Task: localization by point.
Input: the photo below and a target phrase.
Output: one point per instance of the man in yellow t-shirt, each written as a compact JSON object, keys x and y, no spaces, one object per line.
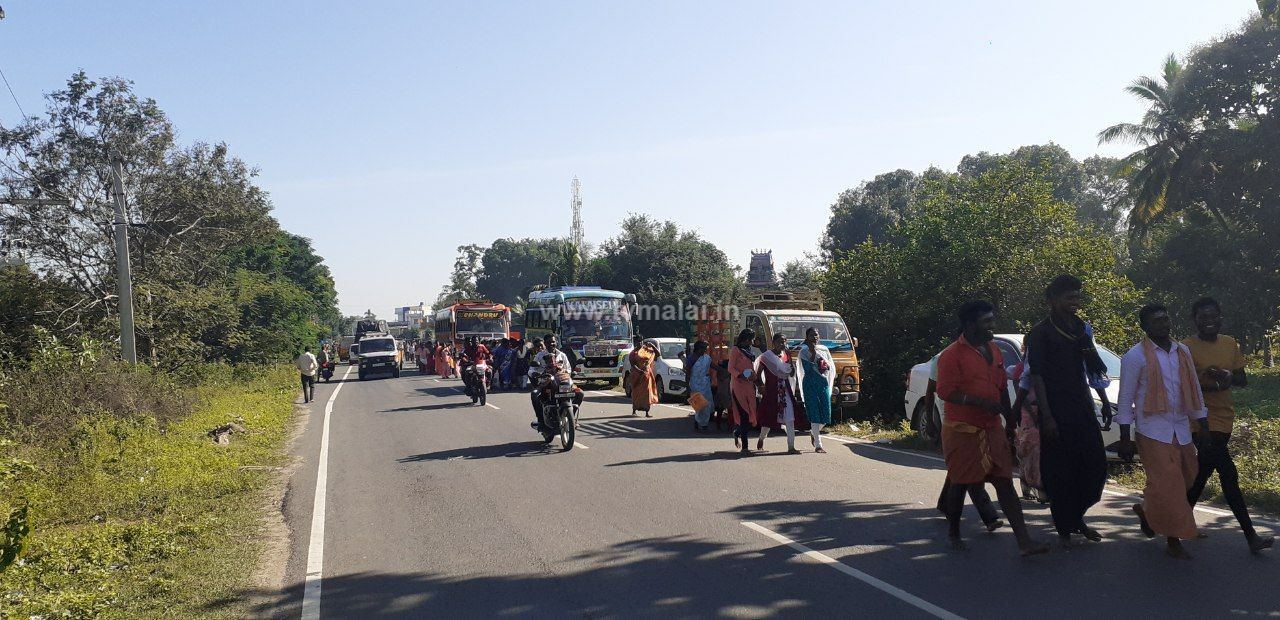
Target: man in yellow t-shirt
{"x":1220,"y":366}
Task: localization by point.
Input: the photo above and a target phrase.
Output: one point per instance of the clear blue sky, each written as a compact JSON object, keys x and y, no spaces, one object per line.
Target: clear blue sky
{"x":463,"y":122}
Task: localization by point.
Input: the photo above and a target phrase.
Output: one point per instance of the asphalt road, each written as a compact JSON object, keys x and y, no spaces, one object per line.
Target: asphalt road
{"x":437,"y":508}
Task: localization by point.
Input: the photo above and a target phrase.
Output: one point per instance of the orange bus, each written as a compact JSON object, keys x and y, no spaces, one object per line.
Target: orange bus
{"x":481,"y":318}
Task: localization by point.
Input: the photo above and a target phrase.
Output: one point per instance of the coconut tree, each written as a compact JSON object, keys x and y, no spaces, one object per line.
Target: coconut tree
{"x":1166,"y":140}
{"x":1170,"y":153}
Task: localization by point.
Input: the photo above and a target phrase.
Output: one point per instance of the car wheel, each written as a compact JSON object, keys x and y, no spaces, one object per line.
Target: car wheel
{"x":662,"y":392}
{"x":926,"y":423}
{"x":362,"y":375}
{"x":626,"y":384}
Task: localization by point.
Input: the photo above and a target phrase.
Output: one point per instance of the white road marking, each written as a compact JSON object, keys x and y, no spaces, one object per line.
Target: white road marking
{"x":491,"y":405}
{"x":315,"y":548}
{"x":882,"y":586}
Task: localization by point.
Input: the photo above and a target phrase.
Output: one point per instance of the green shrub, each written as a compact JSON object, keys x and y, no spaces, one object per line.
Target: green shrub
{"x":133,"y":515}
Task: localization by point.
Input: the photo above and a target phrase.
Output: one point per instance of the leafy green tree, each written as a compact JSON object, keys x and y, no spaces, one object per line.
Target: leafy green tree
{"x":207,"y":231}
{"x":510,"y":268}
{"x":665,"y":267}
{"x":26,"y":300}
{"x":998,"y":235}
{"x":869,"y":211}
{"x":798,"y":275}
{"x":462,"y":281}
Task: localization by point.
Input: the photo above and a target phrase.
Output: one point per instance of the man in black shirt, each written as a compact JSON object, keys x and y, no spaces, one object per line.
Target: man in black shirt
{"x":1073,"y":460}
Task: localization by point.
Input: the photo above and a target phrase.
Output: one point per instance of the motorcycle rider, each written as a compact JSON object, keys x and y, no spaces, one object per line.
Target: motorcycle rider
{"x":547,"y":363}
{"x":472,"y":353}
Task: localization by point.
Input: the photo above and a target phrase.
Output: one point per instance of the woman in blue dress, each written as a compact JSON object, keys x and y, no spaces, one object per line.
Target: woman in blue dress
{"x":700,"y":382}
{"x":817,"y":378}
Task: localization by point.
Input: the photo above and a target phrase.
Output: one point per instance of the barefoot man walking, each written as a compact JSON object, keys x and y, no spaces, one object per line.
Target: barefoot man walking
{"x":1159,"y":390}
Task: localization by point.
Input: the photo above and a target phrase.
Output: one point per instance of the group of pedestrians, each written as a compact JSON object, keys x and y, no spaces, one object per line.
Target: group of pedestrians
{"x":509,"y":357}
{"x":764,"y":389}
{"x":1166,"y":388}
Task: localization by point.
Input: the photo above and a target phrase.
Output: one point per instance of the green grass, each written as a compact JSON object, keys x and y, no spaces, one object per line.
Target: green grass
{"x":131,"y":520}
{"x":1262,"y":398}
{"x":900,"y":436}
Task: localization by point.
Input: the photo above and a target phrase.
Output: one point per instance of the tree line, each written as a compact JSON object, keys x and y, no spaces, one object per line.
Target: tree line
{"x":215,"y":276}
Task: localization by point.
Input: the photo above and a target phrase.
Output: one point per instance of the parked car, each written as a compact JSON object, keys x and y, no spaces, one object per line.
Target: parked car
{"x":1011,"y":350}
{"x":668,"y":369}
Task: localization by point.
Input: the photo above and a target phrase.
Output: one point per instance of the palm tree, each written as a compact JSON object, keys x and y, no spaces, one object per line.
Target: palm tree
{"x":1168,"y":140}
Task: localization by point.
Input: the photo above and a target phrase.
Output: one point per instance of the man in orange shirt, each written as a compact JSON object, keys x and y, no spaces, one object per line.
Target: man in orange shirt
{"x":972,"y":386}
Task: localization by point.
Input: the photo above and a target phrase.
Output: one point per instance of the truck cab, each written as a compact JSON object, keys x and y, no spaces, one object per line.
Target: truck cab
{"x":792,"y":313}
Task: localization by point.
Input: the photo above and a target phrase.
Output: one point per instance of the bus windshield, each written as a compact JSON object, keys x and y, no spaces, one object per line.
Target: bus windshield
{"x":608,"y":327}
{"x":487,"y":322}
{"x":831,"y":330}
{"x":595,"y":319}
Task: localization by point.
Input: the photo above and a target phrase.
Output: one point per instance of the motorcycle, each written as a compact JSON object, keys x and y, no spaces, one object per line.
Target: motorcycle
{"x":477,"y":379}
{"x":326,"y":371}
{"x":559,"y":413}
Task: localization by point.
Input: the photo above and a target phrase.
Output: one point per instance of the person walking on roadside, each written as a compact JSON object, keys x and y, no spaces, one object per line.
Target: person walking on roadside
{"x":977,"y":492}
{"x":817,"y":380}
{"x":778,"y":406}
{"x":1220,"y":366}
{"x":972,"y":386}
{"x":699,"y":380}
{"x":1073,"y":460}
{"x":1160,"y":392}
{"x":644,"y":389}
{"x":307,"y":365}
{"x":742,"y":389}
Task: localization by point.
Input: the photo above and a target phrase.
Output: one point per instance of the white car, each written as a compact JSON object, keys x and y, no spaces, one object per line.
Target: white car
{"x":668,"y":369}
{"x":1011,"y":349}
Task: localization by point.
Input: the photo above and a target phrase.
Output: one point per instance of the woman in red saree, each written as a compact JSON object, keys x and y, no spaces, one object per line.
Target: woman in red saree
{"x":644,"y":388}
{"x":745,"y":377}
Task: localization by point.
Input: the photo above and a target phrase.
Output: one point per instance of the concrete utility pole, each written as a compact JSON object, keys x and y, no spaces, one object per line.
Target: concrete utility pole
{"x":124,"y":276}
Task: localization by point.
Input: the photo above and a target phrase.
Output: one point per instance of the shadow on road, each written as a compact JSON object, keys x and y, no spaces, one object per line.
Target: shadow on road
{"x":435,"y":407}
{"x":700,"y":457}
{"x":509,"y":449}
{"x":441,"y":392}
{"x":633,"y":578}
{"x":904,"y":458}
{"x":902,"y":543}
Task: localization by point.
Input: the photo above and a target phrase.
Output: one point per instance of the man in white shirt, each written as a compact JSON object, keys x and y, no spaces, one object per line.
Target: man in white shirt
{"x":543,"y":363}
{"x":307,"y":365}
{"x":1159,"y":391}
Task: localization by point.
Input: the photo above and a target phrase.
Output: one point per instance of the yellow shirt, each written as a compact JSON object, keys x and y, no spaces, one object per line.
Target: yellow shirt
{"x":1225,"y":354}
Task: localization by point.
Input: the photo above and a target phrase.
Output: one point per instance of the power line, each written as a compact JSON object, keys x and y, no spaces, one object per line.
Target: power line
{"x":15,"y":97}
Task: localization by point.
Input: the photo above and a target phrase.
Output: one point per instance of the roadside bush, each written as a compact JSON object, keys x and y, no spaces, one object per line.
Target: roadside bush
{"x":134,"y":516}
{"x":61,"y":385}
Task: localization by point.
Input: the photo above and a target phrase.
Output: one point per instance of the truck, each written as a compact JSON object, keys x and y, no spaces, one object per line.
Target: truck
{"x":365,"y":326}
{"x":790,"y":313}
